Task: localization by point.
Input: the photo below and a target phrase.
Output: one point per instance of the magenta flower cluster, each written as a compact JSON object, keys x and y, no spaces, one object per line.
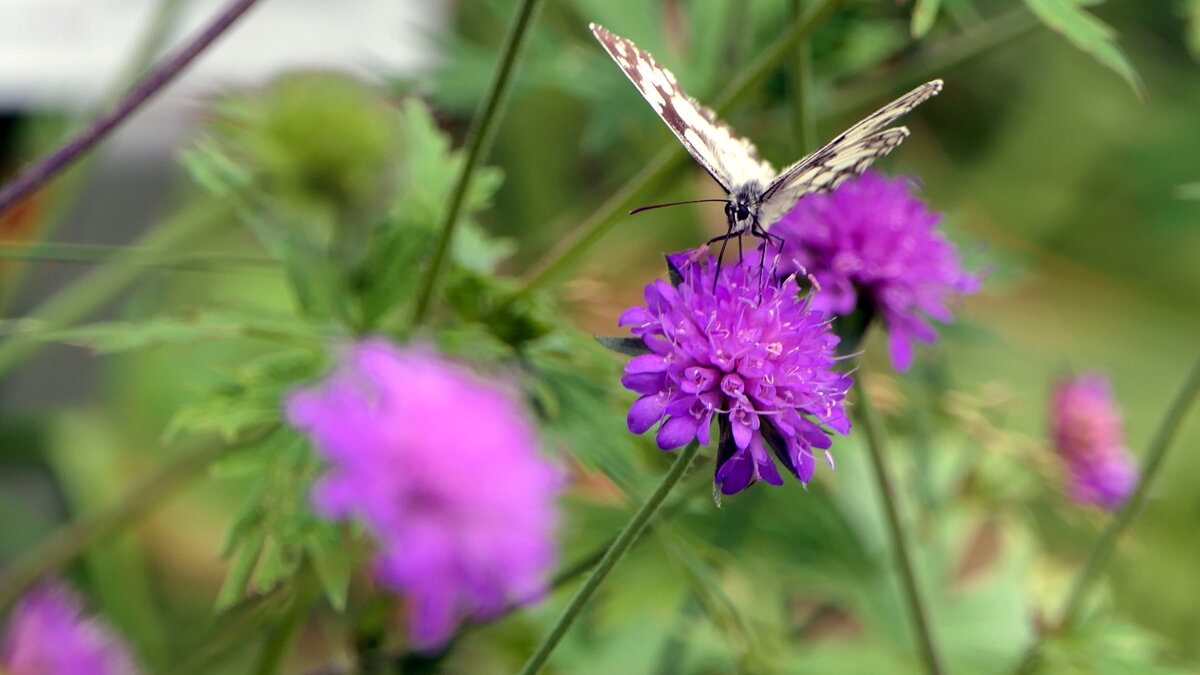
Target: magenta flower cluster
{"x":1085,"y":423}
{"x":48,"y":634}
{"x":750,"y":353}
{"x":444,"y":470}
{"x":870,"y":244}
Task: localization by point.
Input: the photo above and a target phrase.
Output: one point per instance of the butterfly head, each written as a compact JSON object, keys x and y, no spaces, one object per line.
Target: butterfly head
{"x":741,"y":211}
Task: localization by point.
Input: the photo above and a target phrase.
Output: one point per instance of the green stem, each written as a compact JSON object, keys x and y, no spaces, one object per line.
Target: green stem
{"x":92,"y":254}
{"x":887,"y":494}
{"x":280,"y":638}
{"x":70,"y":540}
{"x":614,"y":554}
{"x":98,"y":286}
{"x":1103,"y":549}
{"x":564,"y":255}
{"x":479,"y":140}
{"x":804,"y":122}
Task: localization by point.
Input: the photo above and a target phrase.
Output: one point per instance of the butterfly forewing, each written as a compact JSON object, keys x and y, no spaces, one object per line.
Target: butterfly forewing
{"x":730,"y":159}
{"x":847,"y":155}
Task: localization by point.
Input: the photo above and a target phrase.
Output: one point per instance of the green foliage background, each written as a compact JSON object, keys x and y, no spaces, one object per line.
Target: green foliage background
{"x":1063,"y":152}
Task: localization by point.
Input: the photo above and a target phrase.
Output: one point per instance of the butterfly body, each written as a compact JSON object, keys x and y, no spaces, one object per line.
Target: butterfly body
{"x":758,"y":196}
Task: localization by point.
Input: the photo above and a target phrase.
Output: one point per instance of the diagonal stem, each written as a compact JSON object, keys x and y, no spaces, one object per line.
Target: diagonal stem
{"x":562,"y":256}
{"x":68,"y":541}
{"x":479,"y":140}
{"x":49,"y":166}
{"x":887,"y":494}
{"x":614,"y":554}
{"x":1103,"y":549}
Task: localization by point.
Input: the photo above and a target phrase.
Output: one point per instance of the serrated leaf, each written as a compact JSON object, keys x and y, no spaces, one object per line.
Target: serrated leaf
{"x":924,"y":14}
{"x":629,"y":346}
{"x":1088,"y":34}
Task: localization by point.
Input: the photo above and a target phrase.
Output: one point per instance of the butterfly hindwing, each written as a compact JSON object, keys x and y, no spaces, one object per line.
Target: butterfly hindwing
{"x":730,"y":159}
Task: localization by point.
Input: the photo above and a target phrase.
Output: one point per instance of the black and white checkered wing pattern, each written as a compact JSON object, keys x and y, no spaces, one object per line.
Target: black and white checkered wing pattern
{"x":730,"y":159}
{"x":847,"y":155}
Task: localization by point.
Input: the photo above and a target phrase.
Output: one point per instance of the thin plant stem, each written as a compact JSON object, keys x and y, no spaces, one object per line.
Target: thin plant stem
{"x":49,"y":166}
{"x":280,"y":638}
{"x":99,"y":285}
{"x":92,"y":254}
{"x":804,"y":123}
{"x":1103,"y":549}
{"x":72,"y":539}
{"x":598,"y":224}
{"x":479,"y":141}
{"x":614,"y":554}
{"x":887,"y":494}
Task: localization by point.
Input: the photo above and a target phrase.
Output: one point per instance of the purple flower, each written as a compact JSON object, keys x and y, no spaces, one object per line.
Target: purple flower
{"x":750,"y":353}
{"x":444,"y":470}
{"x":1085,"y":423}
{"x":48,"y":634}
{"x":871,"y":241}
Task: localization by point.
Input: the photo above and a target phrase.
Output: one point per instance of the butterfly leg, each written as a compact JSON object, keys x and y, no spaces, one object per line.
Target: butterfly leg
{"x":724,"y":239}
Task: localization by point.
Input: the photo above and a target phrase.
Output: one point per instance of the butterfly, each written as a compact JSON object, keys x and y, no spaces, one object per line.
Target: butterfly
{"x":757,"y":196}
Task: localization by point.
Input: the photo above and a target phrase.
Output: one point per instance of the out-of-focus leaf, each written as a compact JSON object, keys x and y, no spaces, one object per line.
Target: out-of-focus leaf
{"x":924,"y":13}
{"x":332,"y":559}
{"x":122,"y":336}
{"x":1191,"y":15}
{"x":1089,"y":34}
{"x":630,"y":346}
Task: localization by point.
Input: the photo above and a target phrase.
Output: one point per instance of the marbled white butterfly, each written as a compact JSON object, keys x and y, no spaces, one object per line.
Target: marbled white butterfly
{"x":758,"y":197}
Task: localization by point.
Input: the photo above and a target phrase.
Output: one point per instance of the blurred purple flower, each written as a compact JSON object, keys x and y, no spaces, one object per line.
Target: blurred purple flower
{"x":872,"y":241}
{"x":444,"y":470}
{"x":1085,"y":423}
{"x":751,"y":353}
{"x":48,"y":634}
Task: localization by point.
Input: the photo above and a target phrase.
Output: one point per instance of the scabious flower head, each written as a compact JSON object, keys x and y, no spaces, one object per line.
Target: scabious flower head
{"x":444,"y":471}
{"x":751,"y":353}
{"x":1085,"y":423}
{"x":871,"y":243}
{"x":48,"y":634}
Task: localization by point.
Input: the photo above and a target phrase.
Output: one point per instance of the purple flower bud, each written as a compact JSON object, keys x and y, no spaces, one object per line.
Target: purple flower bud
{"x":871,"y":241}
{"x":750,"y":353}
{"x":444,"y":470}
{"x":48,"y":634}
{"x":1085,"y":424}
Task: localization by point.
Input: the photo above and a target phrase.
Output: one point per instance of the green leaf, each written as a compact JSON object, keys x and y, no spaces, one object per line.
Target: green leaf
{"x":333,"y":561}
{"x":924,"y":14}
{"x":1089,"y":34}
{"x":1191,"y":15}
{"x":630,"y":346}
{"x":240,"y":569}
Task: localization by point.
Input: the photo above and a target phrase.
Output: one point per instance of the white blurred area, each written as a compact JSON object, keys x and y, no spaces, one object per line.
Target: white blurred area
{"x":70,"y":53}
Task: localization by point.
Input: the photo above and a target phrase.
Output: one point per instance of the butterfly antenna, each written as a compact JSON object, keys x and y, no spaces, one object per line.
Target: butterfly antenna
{"x":659,"y":206}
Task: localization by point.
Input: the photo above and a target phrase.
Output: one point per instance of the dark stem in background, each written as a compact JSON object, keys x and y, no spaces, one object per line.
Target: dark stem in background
{"x":852,"y":329}
{"x":479,"y":141}
{"x":633,"y":529}
{"x":70,"y":540}
{"x":1102,"y":551}
{"x":804,"y":121}
{"x":43,"y":170}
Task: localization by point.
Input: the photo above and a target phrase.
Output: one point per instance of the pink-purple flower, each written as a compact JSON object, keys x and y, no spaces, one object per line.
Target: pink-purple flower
{"x":1085,"y":423}
{"x":48,"y":634}
{"x":444,"y":470}
{"x":870,"y":244}
{"x":751,"y":354}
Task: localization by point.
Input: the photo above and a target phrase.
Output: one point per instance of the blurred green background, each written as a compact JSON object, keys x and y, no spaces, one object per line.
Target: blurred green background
{"x":1079,"y":199}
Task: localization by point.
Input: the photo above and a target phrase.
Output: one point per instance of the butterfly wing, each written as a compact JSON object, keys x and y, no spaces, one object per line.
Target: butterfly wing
{"x":730,"y":159}
{"x":847,"y":155}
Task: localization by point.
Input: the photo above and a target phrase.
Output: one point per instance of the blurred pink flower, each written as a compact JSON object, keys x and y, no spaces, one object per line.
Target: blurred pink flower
{"x":444,"y":470}
{"x":1085,"y":423}
{"x":48,"y":634}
